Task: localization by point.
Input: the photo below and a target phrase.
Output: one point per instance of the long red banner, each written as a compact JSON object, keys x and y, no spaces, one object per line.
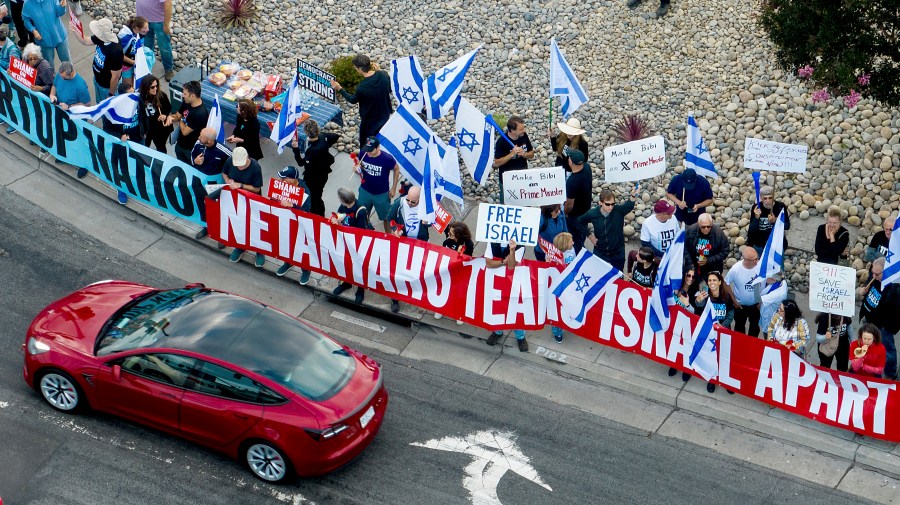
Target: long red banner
{"x":461,"y":287}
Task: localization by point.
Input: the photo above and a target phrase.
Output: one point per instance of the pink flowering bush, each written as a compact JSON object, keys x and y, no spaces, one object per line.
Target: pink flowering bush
{"x":821,"y":96}
{"x":852,"y":99}
{"x":805,"y":71}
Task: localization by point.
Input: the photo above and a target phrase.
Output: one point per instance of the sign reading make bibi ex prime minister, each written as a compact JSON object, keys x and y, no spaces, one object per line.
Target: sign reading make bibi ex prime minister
{"x":633,"y":161}
{"x":534,"y":187}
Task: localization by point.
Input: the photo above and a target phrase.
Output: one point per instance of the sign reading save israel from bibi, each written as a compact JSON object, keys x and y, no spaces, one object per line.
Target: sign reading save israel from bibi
{"x":832,"y":289}
{"x":633,"y":161}
{"x":498,"y":224}
{"x":535,"y":187}
{"x":775,"y":156}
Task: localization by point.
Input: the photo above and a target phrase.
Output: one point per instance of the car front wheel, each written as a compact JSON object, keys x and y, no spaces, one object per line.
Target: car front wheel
{"x":60,"y":391}
{"x":267,"y":462}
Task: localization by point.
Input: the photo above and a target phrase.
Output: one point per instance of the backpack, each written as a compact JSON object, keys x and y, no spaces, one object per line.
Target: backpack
{"x":365,"y":215}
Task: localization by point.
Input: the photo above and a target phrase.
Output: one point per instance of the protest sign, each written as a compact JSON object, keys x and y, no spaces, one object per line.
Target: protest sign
{"x":501,"y":223}
{"x":441,"y":218}
{"x":633,"y":161}
{"x":535,"y":187}
{"x":76,"y":23}
{"x":210,"y":188}
{"x":22,"y":71}
{"x":775,"y":156}
{"x":315,"y":79}
{"x":280,"y":190}
{"x":832,"y":289}
{"x":552,"y":255}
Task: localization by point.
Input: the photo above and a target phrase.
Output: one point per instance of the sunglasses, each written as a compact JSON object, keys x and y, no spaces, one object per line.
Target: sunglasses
{"x":608,"y":204}
{"x":412,"y":202}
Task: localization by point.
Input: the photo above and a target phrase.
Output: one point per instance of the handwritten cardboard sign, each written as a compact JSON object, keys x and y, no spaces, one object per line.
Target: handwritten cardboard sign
{"x":535,"y":187}
{"x":832,"y":289}
{"x":280,"y":190}
{"x":775,"y":156}
{"x":633,"y":161}
{"x":22,"y":71}
{"x":498,"y":224}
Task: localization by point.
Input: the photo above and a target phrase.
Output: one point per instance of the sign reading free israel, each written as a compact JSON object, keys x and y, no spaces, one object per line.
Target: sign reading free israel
{"x":498,"y":224}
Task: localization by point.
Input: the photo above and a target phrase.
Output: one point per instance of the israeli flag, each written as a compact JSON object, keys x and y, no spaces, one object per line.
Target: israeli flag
{"x":772,"y":260}
{"x":892,"y":259}
{"x":406,"y":81}
{"x":443,"y":86}
{"x":286,"y":125}
{"x":668,"y":282}
{"x":475,"y":137}
{"x":704,"y":358}
{"x":430,"y":175}
{"x":119,"y":109}
{"x":406,"y":137}
{"x":582,"y":283}
{"x":696,"y":155}
{"x":142,"y":65}
{"x":447,"y":182}
{"x":563,"y":82}
{"x":214,"y":120}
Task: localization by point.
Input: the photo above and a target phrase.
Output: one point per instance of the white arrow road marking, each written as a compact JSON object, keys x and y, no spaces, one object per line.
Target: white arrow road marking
{"x":495,"y":453}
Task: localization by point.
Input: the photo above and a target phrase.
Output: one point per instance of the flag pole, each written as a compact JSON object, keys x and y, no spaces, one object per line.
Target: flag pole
{"x":550,"y":113}
{"x":490,"y":119}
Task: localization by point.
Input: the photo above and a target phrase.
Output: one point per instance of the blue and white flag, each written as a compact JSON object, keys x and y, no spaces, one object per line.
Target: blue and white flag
{"x":475,"y":137}
{"x":443,"y":86}
{"x":563,"y":82}
{"x":582,"y":283}
{"x":429,"y":198}
{"x":406,"y":81}
{"x":286,"y":125}
{"x":668,"y":282}
{"x":696,"y":155}
{"x":119,"y":109}
{"x":704,"y":341}
{"x":142,"y":65}
{"x":772,"y":260}
{"x":406,"y":137}
{"x":214,"y":120}
{"x":892,"y":258}
{"x":447,"y":182}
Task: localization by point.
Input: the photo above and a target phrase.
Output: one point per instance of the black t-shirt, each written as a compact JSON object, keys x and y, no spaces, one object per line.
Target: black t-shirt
{"x":644,"y":276}
{"x":578,"y":187}
{"x":840,"y":326}
{"x":870,"y":302}
{"x":196,"y":118}
{"x":880,"y":243}
{"x":502,"y":148}
{"x":108,"y":57}
{"x":465,"y":248}
{"x":251,"y":176}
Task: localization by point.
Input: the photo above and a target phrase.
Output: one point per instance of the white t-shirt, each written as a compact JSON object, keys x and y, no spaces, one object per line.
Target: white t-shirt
{"x":660,"y":235}
{"x":739,"y":279}
{"x":411,"y":219}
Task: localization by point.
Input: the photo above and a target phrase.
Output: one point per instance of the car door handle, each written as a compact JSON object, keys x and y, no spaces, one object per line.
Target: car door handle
{"x":240,"y":416}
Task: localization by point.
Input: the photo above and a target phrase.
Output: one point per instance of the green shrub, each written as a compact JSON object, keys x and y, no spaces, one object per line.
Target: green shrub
{"x":345,"y":73}
{"x":500,"y":119}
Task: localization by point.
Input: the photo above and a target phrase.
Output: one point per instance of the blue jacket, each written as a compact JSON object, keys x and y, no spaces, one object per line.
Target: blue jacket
{"x":8,"y":49}
{"x":43,"y":16}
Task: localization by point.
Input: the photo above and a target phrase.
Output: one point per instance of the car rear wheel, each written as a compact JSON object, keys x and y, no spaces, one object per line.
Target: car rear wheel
{"x":60,"y":391}
{"x":267,"y":462}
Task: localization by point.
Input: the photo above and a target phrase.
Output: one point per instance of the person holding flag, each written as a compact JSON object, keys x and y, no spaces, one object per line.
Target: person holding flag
{"x":704,"y":358}
{"x":740,"y":278}
{"x":373,"y":94}
{"x":316,"y":162}
{"x":130,"y":36}
{"x":513,"y":150}
{"x":882,"y":301}
{"x":762,"y":219}
{"x":690,"y":194}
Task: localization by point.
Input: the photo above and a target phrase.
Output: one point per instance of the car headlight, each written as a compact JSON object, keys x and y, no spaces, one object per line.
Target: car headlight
{"x":35,"y":346}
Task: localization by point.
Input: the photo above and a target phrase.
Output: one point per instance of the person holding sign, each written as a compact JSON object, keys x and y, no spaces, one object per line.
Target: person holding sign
{"x":607,"y":220}
{"x":316,"y":162}
{"x":833,"y":337}
{"x":763,"y":217}
{"x":291,"y":176}
{"x":867,"y":354}
{"x":570,"y":138}
{"x":44,"y":80}
{"x":512,"y":152}
{"x":691,"y":194}
{"x":69,"y":88}
{"x":497,"y":256}
{"x":553,"y":222}
{"x":243,"y":172}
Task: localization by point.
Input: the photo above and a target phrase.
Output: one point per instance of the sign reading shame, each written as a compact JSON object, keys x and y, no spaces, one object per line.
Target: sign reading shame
{"x":534,"y":187}
{"x":831,"y":289}
{"x":633,"y":161}
{"x":498,"y":224}
{"x":775,"y":156}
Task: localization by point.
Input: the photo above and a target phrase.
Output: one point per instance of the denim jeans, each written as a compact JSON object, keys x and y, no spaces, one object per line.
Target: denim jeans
{"x":520,"y":334}
{"x":62,"y":50}
{"x":890,"y":348}
{"x":165,"y":44}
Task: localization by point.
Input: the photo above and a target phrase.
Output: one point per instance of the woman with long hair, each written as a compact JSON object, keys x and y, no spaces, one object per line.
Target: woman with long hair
{"x":246,"y":129}
{"x":552,"y":223}
{"x":867,"y":353}
{"x":684,"y":298}
{"x":788,"y":328}
{"x":570,"y":138}
{"x":720,"y":295}
{"x":153,"y":110}
{"x":131,"y":32}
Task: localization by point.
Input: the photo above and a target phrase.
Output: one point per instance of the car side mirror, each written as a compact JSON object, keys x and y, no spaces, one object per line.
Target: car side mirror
{"x":117,"y":372}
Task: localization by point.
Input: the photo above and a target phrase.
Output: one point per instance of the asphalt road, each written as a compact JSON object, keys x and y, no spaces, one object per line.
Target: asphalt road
{"x":51,"y":458}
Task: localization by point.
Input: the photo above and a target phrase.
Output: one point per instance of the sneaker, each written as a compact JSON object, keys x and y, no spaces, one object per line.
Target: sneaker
{"x":710,"y":388}
{"x":494,"y":338}
{"x":59,"y":161}
{"x":729,"y":391}
{"x":662,"y":11}
{"x":633,"y":3}
{"x":344,"y":286}
{"x":360,"y":294}
{"x":685,"y":376}
{"x":283,"y":269}
{"x":81,"y":173}
{"x":170,"y":74}
{"x":201,"y":234}
{"x":304,"y":277}
{"x":2,"y":121}
{"x":11,"y":130}
{"x":260,"y":260}
{"x":236,"y":255}
{"x":395,"y":306}
{"x":523,"y":345}
{"x":220,"y":245}
{"x":122,"y":197}
{"x":438,"y":316}
{"x":459,"y":322}
{"x":558,"y":338}
{"x":672,"y":372}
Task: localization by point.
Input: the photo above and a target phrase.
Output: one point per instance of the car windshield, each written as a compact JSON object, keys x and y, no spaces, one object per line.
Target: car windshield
{"x":236,"y":330}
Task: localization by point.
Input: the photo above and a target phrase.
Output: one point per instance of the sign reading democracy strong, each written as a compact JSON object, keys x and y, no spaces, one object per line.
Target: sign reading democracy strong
{"x":633,"y":161}
{"x":315,"y":79}
{"x":155,"y":179}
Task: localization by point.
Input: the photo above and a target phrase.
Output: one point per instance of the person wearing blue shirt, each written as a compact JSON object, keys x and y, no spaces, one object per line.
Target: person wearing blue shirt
{"x":69,"y":88}
{"x":8,"y":48}
{"x":42,"y":19}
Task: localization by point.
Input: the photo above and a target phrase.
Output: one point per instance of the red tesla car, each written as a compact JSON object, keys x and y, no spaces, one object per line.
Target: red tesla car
{"x":212,"y":367}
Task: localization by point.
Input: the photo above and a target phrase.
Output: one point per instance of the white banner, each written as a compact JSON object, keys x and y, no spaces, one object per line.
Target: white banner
{"x":534,"y":187}
{"x":497,"y":224}
{"x":633,"y":161}
{"x":832,"y":289}
{"x":775,"y":156}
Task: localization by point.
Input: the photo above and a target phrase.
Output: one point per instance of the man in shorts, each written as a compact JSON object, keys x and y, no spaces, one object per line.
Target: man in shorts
{"x":376,"y":189}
